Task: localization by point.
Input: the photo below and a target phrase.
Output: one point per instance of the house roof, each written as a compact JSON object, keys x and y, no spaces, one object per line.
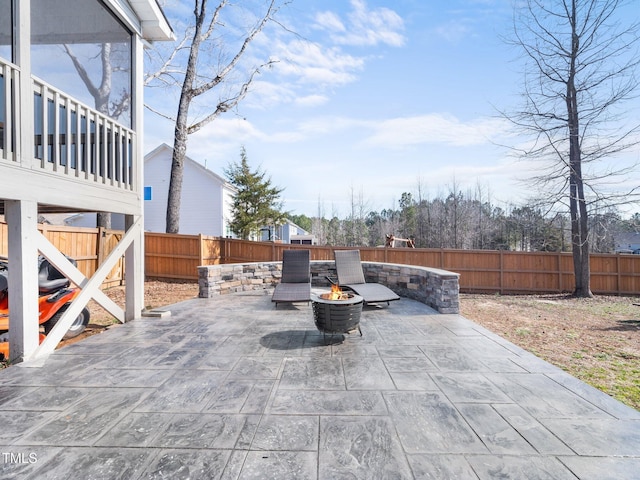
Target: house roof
{"x":155,"y":25}
{"x":197,"y":165}
{"x":627,"y":239}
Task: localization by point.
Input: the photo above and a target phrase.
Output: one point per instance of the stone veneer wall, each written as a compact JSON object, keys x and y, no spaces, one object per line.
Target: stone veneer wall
{"x":437,"y":288}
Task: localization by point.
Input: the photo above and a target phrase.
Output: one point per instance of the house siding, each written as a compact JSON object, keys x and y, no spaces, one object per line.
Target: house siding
{"x":205,"y":199}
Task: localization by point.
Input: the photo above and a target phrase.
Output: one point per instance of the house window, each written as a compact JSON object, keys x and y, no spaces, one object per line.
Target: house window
{"x":5,"y":30}
{"x":79,"y":47}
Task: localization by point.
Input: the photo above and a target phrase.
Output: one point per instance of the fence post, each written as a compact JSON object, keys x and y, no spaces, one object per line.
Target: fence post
{"x":501,"y":272}
{"x":618,"y":273}
{"x":201,"y":247}
{"x":559,"y":272}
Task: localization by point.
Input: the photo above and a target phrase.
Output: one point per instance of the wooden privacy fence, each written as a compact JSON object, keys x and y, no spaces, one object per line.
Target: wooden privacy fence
{"x":88,"y":246}
{"x":177,"y":257}
{"x":481,"y":271}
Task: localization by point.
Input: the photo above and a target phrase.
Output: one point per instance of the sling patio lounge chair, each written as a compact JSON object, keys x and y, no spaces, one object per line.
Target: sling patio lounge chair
{"x":295,"y":285}
{"x":351,"y":276}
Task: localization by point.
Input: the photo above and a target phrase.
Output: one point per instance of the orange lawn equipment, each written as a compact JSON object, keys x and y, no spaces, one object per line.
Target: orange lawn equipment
{"x":54,"y":298}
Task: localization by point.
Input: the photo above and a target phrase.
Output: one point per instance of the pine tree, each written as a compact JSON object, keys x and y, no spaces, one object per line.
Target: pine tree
{"x":257,"y":203}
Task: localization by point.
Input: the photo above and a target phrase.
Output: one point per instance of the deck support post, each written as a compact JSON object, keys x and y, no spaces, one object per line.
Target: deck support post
{"x":22,"y":222}
{"x":134,"y":269}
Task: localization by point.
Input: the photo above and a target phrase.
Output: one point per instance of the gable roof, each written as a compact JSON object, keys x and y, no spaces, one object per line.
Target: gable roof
{"x":197,"y":165}
{"x":627,"y":239}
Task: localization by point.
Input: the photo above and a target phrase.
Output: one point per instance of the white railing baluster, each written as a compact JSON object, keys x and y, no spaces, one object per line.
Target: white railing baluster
{"x":55,"y":141}
{"x":5,"y":144}
{"x":77,"y":140}
{"x":111,"y":156}
{"x":67,"y":136}
{"x":99,"y":146}
{"x":44,"y":101}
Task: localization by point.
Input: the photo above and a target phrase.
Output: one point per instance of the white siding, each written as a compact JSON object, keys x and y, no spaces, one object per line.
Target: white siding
{"x":203,"y":206}
{"x":200,"y":203}
{"x":89,"y":220}
{"x":156,"y":176}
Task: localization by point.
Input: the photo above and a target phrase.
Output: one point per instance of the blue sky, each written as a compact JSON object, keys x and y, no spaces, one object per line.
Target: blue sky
{"x":371,"y":99}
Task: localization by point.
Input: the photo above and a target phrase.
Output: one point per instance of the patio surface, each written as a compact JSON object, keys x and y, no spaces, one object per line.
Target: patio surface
{"x":234,"y":388}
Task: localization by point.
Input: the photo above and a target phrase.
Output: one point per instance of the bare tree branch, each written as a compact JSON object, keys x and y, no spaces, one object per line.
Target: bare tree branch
{"x":199,"y":64}
{"x":581,"y":67}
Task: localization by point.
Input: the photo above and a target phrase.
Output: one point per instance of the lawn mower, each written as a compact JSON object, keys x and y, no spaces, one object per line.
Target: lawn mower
{"x":54,"y":297}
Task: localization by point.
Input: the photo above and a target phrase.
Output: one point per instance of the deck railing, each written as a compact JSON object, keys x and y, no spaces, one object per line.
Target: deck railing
{"x":9,"y":77}
{"x":70,"y":138}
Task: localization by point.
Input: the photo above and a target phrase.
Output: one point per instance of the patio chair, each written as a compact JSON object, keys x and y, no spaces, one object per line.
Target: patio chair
{"x":351,"y":276}
{"x":295,"y":285}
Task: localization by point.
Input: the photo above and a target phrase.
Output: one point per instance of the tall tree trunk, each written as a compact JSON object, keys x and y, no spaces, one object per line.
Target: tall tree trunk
{"x":103,"y":220}
{"x":577,"y":202}
{"x":182,"y":128}
{"x":177,"y":169}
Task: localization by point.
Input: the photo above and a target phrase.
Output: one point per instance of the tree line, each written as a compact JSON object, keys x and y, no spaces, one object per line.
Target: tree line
{"x":464,"y":220}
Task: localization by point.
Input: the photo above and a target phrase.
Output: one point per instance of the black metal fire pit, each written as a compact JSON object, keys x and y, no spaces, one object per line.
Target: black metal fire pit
{"x":337,"y":316}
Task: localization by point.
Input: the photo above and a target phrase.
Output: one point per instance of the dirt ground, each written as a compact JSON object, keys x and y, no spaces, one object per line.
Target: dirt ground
{"x":596,"y":340}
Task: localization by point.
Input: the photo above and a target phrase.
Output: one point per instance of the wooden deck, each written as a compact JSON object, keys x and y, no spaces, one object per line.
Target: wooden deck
{"x":76,"y":159}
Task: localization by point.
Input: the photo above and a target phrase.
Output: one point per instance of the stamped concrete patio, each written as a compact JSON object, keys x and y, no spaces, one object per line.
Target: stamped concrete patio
{"x":232,"y":388}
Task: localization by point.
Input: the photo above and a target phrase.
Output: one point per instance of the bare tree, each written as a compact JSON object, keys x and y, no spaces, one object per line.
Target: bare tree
{"x":580,"y":67}
{"x":203,"y":74}
{"x":355,"y":223}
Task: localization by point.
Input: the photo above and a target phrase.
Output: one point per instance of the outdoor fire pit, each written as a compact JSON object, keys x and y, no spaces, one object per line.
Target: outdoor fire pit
{"x":336,"y":311}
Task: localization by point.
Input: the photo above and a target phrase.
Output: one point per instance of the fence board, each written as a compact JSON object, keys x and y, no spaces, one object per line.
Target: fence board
{"x":488,"y":271}
{"x":81,"y":244}
{"x":172,"y":256}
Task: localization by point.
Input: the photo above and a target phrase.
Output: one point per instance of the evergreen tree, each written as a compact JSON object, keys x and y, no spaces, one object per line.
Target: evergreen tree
{"x":301,"y":220}
{"x":257,"y":203}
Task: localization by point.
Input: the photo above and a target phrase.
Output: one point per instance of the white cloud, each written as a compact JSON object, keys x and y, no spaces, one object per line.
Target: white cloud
{"x":393,"y":133}
{"x":312,"y":63}
{"x":307,"y":69}
{"x":326,"y":125}
{"x":223,"y":129}
{"x":434,"y":128}
{"x":265,"y":94}
{"x":330,"y":21}
{"x":312,"y":100}
{"x":364,"y":26}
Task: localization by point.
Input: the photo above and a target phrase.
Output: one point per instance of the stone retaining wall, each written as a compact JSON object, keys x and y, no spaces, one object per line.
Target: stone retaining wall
{"x":437,"y":288}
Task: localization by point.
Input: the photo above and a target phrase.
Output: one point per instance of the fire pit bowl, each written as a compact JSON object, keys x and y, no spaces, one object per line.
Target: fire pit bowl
{"x":337,"y":316}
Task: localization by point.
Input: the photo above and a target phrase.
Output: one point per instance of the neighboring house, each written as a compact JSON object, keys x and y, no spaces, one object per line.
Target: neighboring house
{"x":206,"y":199}
{"x":82,"y":220}
{"x":303,"y":240}
{"x":90,"y":220}
{"x":284,"y":233}
{"x":627,"y":242}
{"x":66,"y":150}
